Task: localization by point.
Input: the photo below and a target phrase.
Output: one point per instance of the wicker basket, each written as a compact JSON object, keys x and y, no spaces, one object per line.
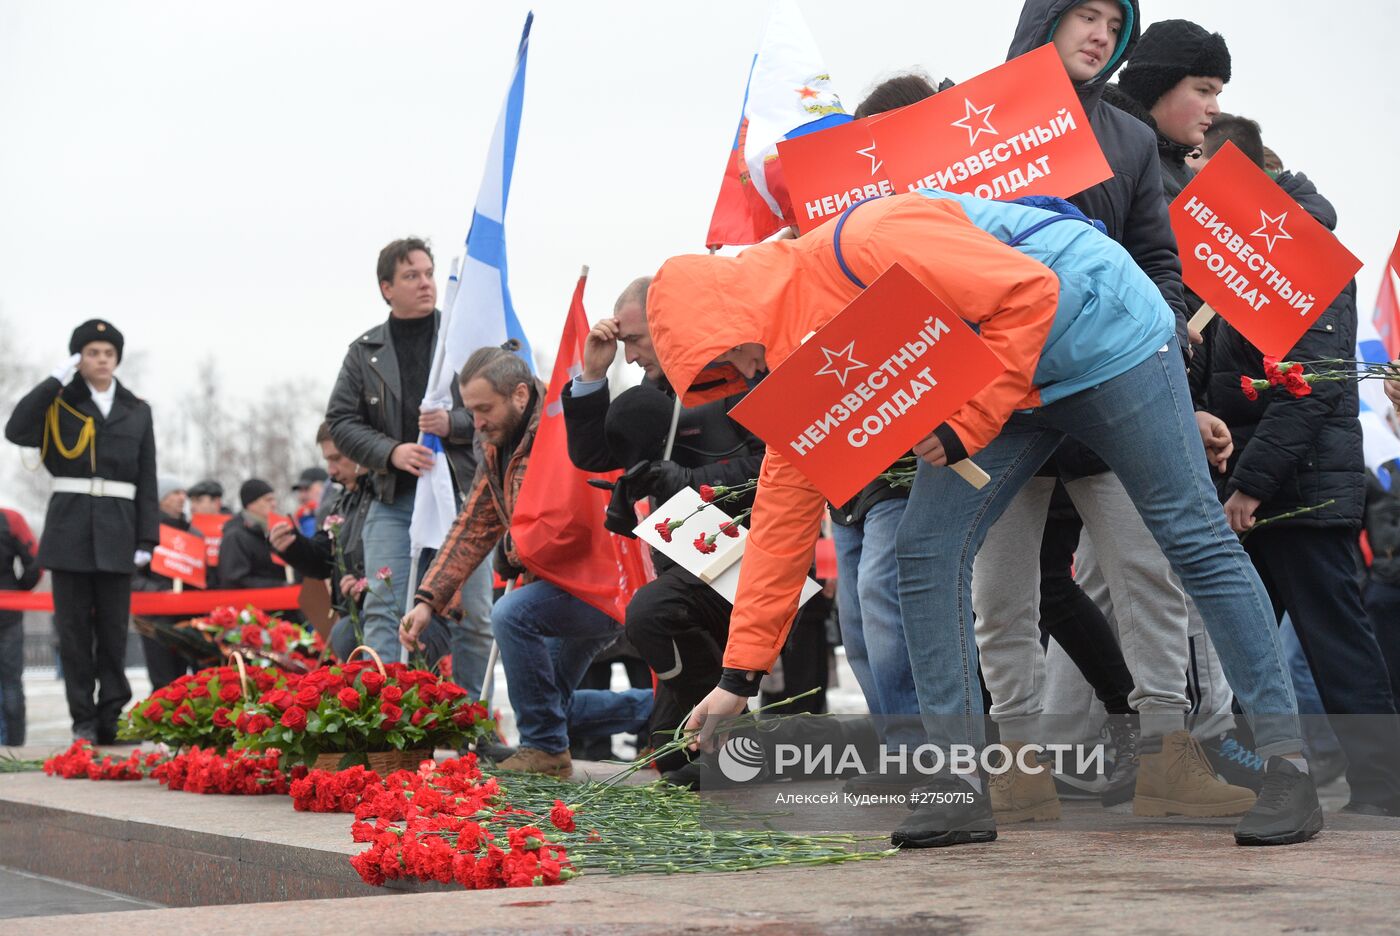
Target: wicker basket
{"x":381,"y":762}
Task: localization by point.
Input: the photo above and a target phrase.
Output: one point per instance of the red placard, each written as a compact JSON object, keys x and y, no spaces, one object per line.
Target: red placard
{"x":831,"y":170}
{"x":860,"y":392}
{"x":212,"y":528}
{"x":1016,"y":130}
{"x":1255,"y":255}
{"x":180,"y":556}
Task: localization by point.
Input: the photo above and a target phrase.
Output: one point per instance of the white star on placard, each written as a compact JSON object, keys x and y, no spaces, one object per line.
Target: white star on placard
{"x":846,"y":359}
{"x":983,"y":114}
{"x":875,"y":161}
{"x":1271,"y":236}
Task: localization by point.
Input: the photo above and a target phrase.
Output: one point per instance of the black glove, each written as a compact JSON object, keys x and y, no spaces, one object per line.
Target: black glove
{"x":659,"y":479}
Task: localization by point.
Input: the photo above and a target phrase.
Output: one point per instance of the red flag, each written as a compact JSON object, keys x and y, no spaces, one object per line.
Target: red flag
{"x":557,"y":524}
{"x":741,"y":215}
{"x":1387,"y":314}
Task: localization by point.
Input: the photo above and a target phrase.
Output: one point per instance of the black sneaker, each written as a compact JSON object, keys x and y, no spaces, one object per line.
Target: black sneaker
{"x":1287,"y":811}
{"x":1124,"y":734}
{"x":1233,"y":762}
{"x":947,"y":811}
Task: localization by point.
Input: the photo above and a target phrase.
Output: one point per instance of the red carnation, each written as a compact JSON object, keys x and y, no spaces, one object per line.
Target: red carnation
{"x":349,"y":698}
{"x":707,"y":493}
{"x":704,"y":544}
{"x":1247,"y":385}
{"x":230,"y":692}
{"x":372,"y":681}
{"x":730,"y":529}
{"x":221,"y":719}
{"x":562,"y":817}
{"x":294,"y":718}
{"x":664,"y":528}
{"x":1296,"y":384}
{"x":392,"y":714}
{"x":250,"y":635}
{"x":1272,"y":371}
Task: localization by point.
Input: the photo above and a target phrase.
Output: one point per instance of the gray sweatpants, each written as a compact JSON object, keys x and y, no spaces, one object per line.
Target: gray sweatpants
{"x":1117,"y":557}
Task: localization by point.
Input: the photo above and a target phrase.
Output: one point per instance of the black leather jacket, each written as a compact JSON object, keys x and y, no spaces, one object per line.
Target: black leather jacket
{"x":366,"y":415}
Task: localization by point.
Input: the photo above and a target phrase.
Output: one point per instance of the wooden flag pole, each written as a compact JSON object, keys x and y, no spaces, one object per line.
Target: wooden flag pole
{"x":967,"y":470}
{"x":1201,"y":319}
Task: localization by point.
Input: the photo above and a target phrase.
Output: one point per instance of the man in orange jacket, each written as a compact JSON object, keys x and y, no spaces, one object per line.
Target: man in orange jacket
{"x":1087,"y":344}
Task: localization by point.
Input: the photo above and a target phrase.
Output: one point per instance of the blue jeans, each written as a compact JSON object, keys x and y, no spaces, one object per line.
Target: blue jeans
{"x":1142,"y":424}
{"x":547,"y":639}
{"x":386,"y":544}
{"x":867,"y":597}
{"x":471,"y":636}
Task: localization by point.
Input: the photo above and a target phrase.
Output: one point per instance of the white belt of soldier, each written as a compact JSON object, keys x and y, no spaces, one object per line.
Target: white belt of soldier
{"x":96,"y":487}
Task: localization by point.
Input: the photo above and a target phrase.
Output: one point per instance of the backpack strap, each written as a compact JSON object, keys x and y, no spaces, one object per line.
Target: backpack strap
{"x":836,"y":241}
{"x":1064,"y":212}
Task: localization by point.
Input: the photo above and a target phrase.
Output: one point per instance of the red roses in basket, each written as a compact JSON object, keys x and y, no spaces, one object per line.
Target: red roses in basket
{"x":356,"y":708}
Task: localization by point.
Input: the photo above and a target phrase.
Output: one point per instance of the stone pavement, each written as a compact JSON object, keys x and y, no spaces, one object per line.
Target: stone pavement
{"x":1188,"y":878}
{"x":1087,"y":873}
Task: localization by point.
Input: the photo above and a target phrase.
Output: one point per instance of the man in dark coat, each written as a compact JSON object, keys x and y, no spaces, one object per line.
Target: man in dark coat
{"x":164,"y":664}
{"x":1301,"y":452}
{"x":97,"y":441}
{"x":245,"y":557}
{"x":678,"y":624}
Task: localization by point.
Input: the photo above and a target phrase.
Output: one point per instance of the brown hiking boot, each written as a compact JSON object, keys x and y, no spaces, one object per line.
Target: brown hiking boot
{"x":1018,"y":796}
{"x":1178,"y":781}
{"x":532,"y":760}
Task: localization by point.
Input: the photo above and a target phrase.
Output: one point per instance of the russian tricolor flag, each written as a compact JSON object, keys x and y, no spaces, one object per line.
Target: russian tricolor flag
{"x":788,"y":95}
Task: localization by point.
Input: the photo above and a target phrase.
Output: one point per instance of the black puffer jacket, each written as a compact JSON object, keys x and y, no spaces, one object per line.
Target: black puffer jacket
{"x":1292,"y":452}
{"x":1131,"y":204}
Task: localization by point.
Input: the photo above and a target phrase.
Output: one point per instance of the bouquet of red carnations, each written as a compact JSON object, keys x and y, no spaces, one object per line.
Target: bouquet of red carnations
{"x":83,"y":760}
{"x":1291,"y":375}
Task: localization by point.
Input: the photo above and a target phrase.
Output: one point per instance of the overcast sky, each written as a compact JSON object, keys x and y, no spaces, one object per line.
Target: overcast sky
{"x":218,"y":177}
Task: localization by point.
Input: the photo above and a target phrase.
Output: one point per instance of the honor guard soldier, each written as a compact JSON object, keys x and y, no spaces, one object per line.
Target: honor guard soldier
{"x":96,"y":439}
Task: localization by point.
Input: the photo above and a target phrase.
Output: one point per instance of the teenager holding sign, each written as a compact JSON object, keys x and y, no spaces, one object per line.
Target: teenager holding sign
{"x":1087,"y":343}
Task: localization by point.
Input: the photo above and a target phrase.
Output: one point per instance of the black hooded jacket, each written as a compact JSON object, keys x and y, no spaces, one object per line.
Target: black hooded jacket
{"x":1130,"y":204}
{"x":1291,"y":452}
